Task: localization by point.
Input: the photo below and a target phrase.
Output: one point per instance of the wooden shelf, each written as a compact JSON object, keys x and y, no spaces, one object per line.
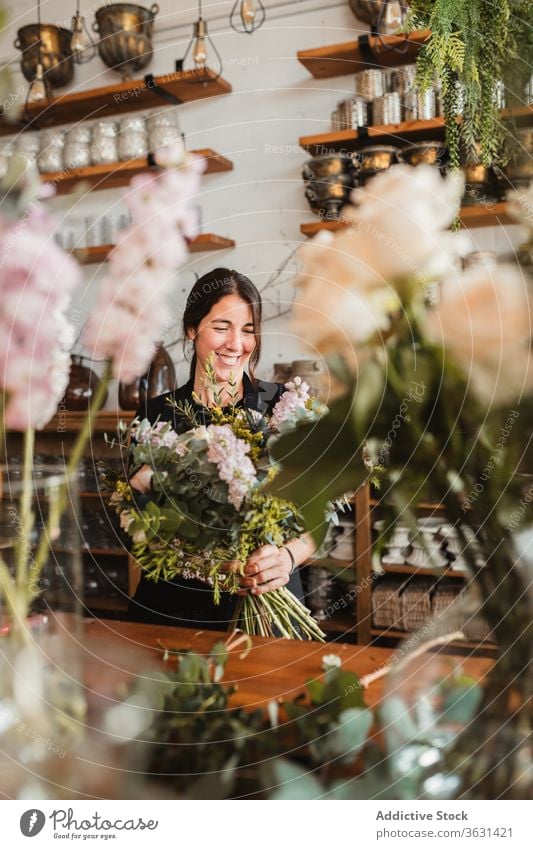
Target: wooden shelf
{"x":486,"y":215}
{"x":128,"y":96}
{"x":118,"y":174}
{"x":434,"y":572}
{"x":203,"y":242}
{"x":71,"y":423}
{"x":395,"y":634}
{"x":209,"y":242}
{"x":482,"y":215}
{"x":346,"y":58}
{"x":421,"y":505}
{"x":338,"y":624}
{"x":402,"y":133}
{"x":347,"y":140}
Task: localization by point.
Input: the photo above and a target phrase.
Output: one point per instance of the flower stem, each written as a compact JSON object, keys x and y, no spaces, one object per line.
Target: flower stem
{"x":26,"y":515}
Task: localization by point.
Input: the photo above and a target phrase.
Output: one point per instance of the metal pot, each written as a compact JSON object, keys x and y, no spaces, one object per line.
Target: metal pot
{"x":367,"y":11}
{"x":424,"y":153}
{"x":329,"y":182}
{"x":384,"y":16}
{"x":520,"y":168}
{"x":125,"y":31}
{"x":50,"y":45}
{"x":374,"y":158}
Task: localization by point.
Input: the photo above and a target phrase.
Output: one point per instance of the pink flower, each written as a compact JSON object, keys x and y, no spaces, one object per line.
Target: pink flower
{"x":293,"y":399}
{"x":234,"y":467}
{"x":36,"y":280}
{"x":132,"y":310}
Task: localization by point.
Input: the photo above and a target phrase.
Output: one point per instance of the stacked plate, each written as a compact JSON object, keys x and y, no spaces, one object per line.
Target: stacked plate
{"x":435,"y":544}
{"x":343,"y":534}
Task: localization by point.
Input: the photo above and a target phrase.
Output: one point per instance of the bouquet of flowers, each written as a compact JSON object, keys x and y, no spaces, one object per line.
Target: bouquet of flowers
{"x":209,"y":508}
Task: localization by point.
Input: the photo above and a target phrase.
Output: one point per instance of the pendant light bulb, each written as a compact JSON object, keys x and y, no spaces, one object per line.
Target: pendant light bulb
{"x":248,"y":12}
{"x":82,"y":46}
{"x":37,"y":91}
{"x":200,"y":47}
{"x":247,"y":15}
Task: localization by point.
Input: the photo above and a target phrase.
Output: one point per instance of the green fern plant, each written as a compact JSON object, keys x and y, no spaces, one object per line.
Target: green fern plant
{"x":473,"y":44}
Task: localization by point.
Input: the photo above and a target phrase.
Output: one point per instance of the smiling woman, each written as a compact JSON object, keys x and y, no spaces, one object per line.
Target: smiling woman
{"x":223,"y":321}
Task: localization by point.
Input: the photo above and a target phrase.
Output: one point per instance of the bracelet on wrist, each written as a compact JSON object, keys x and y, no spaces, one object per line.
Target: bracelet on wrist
{"x":293,"y":561}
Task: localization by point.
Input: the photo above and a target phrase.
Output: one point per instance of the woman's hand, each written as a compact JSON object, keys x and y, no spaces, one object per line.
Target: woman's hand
{"x":268,"y":568}
{"x":141,"y":480}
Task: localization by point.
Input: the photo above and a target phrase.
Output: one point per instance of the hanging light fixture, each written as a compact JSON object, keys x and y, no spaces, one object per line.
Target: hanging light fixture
{"x":81,"y":44}
{"x":247,"y":16}
{"x":39,"y":89}
{"x":201,"y":49}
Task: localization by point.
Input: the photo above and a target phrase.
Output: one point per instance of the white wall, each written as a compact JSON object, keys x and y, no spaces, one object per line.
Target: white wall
{"x":260,"y":203}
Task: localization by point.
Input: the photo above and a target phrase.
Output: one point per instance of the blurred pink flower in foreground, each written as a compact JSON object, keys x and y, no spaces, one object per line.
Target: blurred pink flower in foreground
{"x":131,"y":311}
{"x":36,"y":281}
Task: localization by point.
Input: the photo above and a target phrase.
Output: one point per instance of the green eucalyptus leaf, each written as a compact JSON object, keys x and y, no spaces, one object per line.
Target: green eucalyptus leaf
{"x":368,"y":395}
{"x":396,"y":721}
{"x":319,"y":462}
{"x":342,"y":691}
{"x":315,"y":688}
{"x":284,"y":780}
{"x":461,"y":704}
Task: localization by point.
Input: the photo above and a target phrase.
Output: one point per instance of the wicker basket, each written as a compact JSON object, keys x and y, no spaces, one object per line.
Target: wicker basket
{"x":416,"y":603}
{"x":446,"y":609}
{"x":386,"y":603}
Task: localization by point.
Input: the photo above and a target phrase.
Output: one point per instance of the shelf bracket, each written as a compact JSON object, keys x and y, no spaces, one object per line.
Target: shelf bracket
{"x":167,"y":95}
{"x":367,"y":54}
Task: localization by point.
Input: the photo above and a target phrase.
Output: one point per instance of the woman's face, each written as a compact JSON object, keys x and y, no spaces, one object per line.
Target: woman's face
{"x":227,"y":331}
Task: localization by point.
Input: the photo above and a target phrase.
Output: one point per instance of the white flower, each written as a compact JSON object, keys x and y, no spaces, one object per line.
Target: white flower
{"x":351,"y":281}
{"x":126,"y":518}
{"x":330,"y":661}
{"x":484,"y":322}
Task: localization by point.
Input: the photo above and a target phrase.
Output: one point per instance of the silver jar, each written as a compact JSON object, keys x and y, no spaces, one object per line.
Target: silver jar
{"x":104,"y":147}
{"x":76,"y":155}
{"x":401,"y":79}
{"x":162,"y":129}
{"x":529,"y":92}
{"x":132,"y":138}
{"x":498,"y":94}
{"x":81,"y":133}
{"x":426,"y":104}
{"x":354,"y":113}
{"x":387,"y":109}
{"x":370,"y":84}
{"x":5,"y":155}
{"x":104,"y":130}
{"x":51,"y":151}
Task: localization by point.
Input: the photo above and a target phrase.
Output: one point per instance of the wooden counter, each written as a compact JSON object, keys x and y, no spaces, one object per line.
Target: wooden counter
{"x":273,"y":669}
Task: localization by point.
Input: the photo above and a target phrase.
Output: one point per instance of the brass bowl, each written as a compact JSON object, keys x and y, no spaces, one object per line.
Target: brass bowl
{"x":50,"y":45}
{"x":367,"y":11}
{"x":424,"y":153}
{"x":125,"y":31}
{"x":374,"y":158}
{"x":520,"y":168}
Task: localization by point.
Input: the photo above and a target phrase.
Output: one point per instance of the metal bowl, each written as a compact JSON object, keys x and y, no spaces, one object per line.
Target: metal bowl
{"x":50,"y":45}
{"x":374,"y":158}
{"x":520,"y":168}
{"x":367,"y":11}
{"x":125,"y":31}
{"x":329,"y":181}
{"x":424,"y":153}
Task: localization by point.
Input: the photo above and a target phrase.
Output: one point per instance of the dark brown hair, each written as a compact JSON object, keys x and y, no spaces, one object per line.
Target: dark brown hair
{"x":208,"y":291}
